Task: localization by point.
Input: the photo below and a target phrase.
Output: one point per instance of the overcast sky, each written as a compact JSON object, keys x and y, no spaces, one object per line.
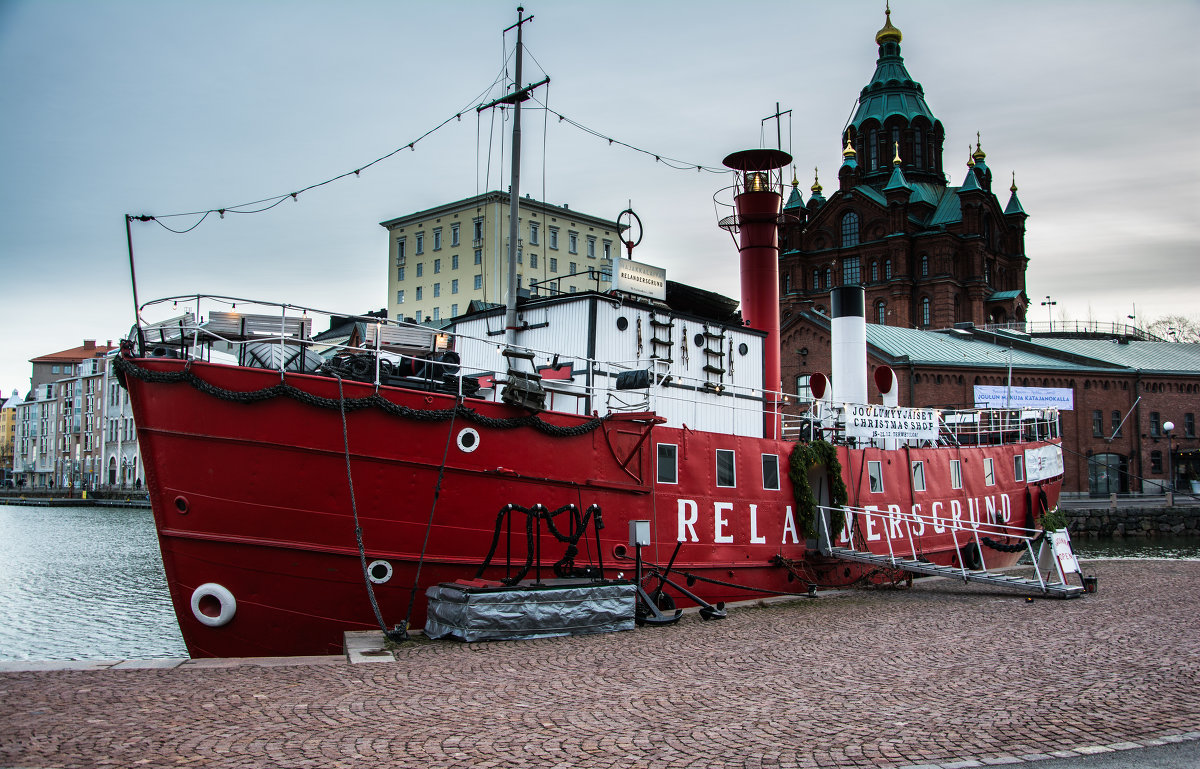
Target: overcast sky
{"x":113,"y":107}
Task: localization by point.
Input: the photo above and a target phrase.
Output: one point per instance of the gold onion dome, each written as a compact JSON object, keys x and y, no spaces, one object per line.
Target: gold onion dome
{"x":1013,"y":188}
{"x":816,"y":188}
{"x":849,"y":151}
{"x":979,"y":154}
{"x":888,"y":32}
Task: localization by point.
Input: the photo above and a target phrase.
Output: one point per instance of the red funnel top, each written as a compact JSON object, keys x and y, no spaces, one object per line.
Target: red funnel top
{"x":757,"y":160}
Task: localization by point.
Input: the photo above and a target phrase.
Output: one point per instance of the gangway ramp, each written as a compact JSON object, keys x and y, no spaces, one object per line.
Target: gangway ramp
{"x":915,"y":565}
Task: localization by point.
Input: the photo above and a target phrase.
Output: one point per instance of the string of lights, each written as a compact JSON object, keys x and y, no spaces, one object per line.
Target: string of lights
{"x":674,"y":163}
{"x":266,"y":204}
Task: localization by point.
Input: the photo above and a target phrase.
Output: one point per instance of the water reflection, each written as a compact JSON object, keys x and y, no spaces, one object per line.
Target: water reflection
{"x":1139,"y":547}
{"x":83,"y":583}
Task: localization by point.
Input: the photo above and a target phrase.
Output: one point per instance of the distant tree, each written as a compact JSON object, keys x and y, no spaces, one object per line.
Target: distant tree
{"x":1176,"y":328}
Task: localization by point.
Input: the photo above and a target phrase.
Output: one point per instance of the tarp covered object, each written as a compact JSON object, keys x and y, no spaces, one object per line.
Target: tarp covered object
{"x":527,"y":611}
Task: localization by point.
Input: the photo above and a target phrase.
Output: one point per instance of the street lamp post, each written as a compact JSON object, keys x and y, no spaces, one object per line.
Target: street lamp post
{"x":1167,"y":428}
{"x":1049,"y":305}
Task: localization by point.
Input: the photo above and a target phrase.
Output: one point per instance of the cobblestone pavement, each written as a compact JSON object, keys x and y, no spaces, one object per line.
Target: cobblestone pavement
{"x":944,"y":674}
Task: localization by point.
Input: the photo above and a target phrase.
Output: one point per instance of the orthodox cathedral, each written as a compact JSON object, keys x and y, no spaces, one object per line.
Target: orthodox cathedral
{"x":930,"y":255}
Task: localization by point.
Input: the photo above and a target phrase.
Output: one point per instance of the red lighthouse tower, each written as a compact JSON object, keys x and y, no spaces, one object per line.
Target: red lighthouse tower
{"x":758,"y":199}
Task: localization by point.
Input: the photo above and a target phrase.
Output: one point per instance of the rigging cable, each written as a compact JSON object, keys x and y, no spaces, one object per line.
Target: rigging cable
{"x":437,"y":491}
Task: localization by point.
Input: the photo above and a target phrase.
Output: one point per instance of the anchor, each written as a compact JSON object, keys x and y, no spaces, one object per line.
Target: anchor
{"x":652,"y":604}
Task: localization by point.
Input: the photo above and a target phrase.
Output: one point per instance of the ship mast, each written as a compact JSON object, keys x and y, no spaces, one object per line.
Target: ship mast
{"x":515,"y":98}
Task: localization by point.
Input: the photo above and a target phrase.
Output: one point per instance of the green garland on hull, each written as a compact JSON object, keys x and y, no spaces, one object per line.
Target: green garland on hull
{"x":806,"y":456}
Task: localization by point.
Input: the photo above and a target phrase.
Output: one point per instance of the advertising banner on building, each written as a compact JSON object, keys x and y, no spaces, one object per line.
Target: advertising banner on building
{"x":1002,"y":397}
{"x":866,"y":421}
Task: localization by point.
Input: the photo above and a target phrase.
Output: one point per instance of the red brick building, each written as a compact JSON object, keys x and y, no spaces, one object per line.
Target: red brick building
{"x":933,"y":256}
{"x":928,"y":254}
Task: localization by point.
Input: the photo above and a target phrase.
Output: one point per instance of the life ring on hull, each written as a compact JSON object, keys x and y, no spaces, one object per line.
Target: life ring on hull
{"x":204,"y":597}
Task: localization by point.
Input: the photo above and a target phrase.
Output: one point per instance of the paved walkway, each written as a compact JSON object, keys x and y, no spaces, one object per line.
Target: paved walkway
{"x":943,"y":675}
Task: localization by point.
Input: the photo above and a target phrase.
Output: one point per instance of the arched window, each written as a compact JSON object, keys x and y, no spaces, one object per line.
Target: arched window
{"x":918,"y":156}
{"x":849,"y":229}
{"x":874,"y":271}
{"x":828,"y":277}
{"x":924,"y":265}
{"x":881,"y":312}
{"x":787,"y":283}
{"x":816,"y":279}
{"x":874,"y":149}
{"x":887,"y":269}
{"x":925,"y":311}
{"x":895,"y":148}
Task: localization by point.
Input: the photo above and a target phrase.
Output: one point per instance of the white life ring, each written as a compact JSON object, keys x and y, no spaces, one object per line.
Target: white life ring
{"x":225,"y":601}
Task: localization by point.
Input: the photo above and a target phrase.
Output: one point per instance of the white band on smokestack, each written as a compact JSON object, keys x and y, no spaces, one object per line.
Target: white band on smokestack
{"x":849,"y":331}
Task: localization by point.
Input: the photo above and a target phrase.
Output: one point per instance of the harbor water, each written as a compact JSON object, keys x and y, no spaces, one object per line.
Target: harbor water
{"x":88,"y":583}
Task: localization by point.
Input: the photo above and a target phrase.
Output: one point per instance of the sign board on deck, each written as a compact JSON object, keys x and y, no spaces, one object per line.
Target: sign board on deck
{"x":866,"y":420}
{"x":638,"y":278}
{"x":1058,"y":553}
{"x":1002,"y":397}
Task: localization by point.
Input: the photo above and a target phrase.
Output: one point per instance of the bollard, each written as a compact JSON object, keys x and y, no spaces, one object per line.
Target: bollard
{"x":1112,"y":501}
{"x":1170,"y":499}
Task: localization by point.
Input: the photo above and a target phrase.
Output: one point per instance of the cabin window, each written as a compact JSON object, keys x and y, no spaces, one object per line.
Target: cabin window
{"x":1019,"y":467}
{"x":770,"y":472}
{"x":726,"y":477}
{"x":989,"y":472}
{"x":955,"y":474}
{"x":875,"y":475}
{"x":668,"y":463}
{"x":918,"y":475}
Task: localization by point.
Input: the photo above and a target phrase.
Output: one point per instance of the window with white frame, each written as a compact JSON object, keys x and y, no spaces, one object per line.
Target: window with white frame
{"x":955,"y":474}
{"x":726,"y":474}
{"x":875,"y":476}
{"x":554,"y":238}
{"x":918,"y":475}
{"x":770,"y":464}
{"x":573,"y":242}
{"x":989,"y":472}
{"x":1019,"y":467}
{"x":668,"y":463}
{"x":454,"y":235}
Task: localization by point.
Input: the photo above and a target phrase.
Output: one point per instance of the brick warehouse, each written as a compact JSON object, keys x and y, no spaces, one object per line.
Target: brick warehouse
{"x":1112,"y":441}
{"x":934,"y":256}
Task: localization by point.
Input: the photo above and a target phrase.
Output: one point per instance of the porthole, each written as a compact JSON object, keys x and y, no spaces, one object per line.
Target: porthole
{"x":622,"y":323}
{"x":743,"y":348}
{"x":468,"y":439}
{"x":379,"y":571}
{"x":181,"y":504}
{"x":620,"y":551}
{"x":699,"y":340}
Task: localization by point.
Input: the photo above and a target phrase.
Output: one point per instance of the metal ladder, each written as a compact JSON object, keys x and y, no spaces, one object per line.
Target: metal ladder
{"x":914,"y":565}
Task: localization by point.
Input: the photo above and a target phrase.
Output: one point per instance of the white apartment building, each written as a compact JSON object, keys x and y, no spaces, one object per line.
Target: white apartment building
{"x":441,"y":259}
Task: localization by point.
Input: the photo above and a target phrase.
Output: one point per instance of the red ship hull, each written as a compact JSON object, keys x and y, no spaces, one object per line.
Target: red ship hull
{"x":258,"y":498}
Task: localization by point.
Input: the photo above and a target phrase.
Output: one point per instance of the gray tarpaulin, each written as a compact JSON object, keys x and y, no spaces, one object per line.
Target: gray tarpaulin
{"x":527,"y":611}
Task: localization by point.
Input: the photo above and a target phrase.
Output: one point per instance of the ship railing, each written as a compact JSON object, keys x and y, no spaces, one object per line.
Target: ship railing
{"x":212,"y":326}
{"x":963,"y":533}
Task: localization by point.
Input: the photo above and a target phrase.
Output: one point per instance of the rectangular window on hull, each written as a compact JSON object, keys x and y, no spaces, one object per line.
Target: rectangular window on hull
{"x":726,"y":477}
{"x":770,"y":472}
{"x":955,"y":474}
{"x":918,"y":475}
{"x":989,"y":472}
{"x":668,"y":463}
{"x":875,"y":476}
{"x":1019,"y":467}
